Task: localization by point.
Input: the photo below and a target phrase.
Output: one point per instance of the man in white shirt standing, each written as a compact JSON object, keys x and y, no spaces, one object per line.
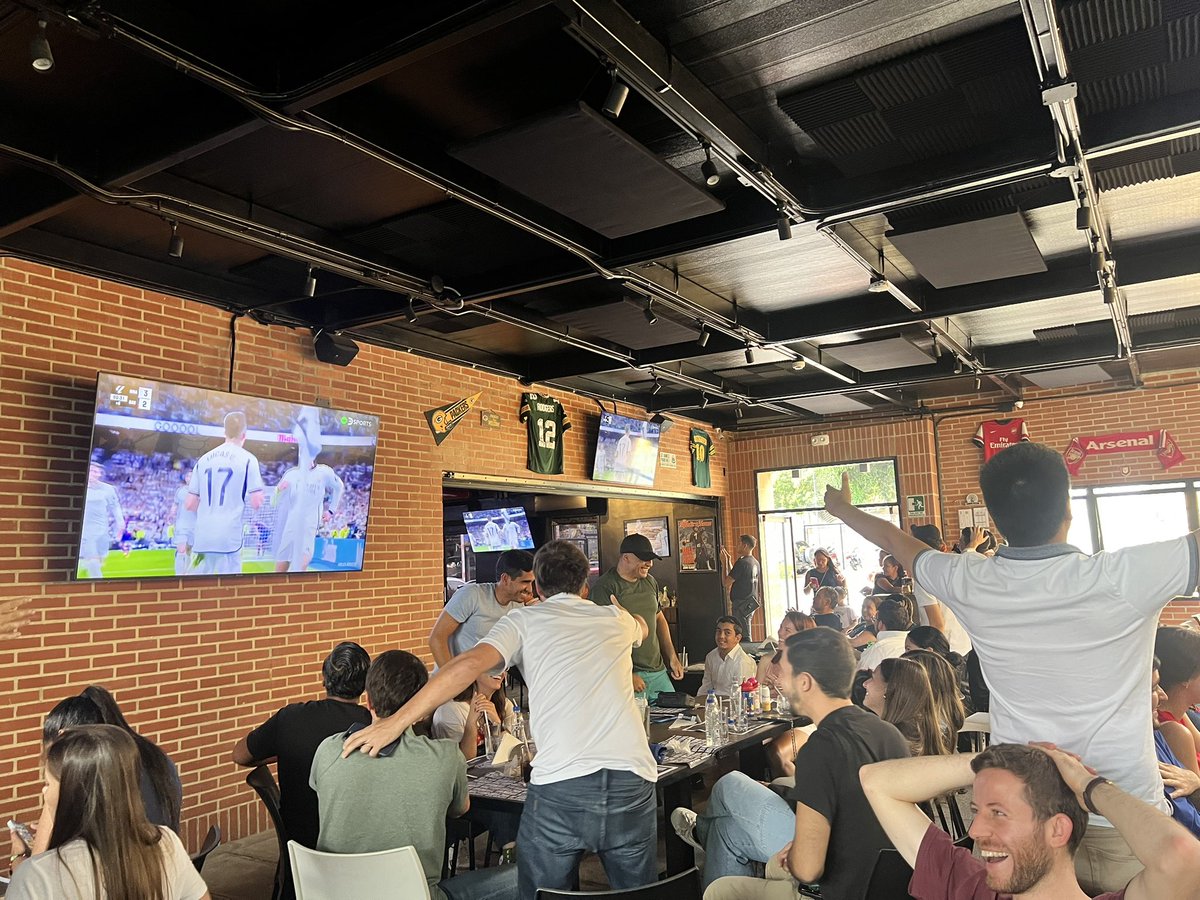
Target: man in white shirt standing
{"x":592,"y":787}
{"x":727,"y":661}
{"x":1057,"y":671}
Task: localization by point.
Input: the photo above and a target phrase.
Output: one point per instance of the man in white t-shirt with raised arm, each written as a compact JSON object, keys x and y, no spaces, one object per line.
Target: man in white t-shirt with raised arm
{"x":225,"y":480}
{"x":1057,"y":670}
{"x":592,"y":788}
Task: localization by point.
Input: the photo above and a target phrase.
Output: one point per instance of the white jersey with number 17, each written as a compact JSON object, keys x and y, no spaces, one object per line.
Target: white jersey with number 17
{"x":223,"y":480}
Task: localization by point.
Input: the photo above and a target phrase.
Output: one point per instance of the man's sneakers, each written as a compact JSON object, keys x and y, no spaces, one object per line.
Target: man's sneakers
{"x":683,"y":820}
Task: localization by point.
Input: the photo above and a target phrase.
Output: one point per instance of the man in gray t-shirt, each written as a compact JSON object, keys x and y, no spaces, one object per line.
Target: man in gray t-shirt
{"x":475,"y":608}
{"x":402,"y":797}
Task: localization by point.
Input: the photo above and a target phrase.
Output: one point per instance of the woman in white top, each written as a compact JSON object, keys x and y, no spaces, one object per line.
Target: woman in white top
{"x":461,"y":719}
{"x":485,"y":697}
{"x":101,"y":844}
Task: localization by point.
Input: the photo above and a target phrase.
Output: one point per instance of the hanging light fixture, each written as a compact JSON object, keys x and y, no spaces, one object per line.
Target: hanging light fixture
{"x":618,"y":93}
{"x":648,"y":312}
{"x":40,"y":56}
{"x":783,"y":224}
{"x":175,"y":246}
{"x":310,"y":283}
{"x":705,"y":334}
{"x":709,"y":169}
{"x":749,"y":354}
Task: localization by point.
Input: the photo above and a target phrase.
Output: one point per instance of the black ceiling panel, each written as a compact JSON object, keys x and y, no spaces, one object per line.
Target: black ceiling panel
{"x":966,"y":93}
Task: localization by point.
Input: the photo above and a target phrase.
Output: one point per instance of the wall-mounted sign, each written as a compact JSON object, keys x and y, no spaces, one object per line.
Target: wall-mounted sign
{"x":489,"y":418}
{"x":1160,"y":441}
{"x":444,"y":419}
{"x":914,"y":505}
{"x":667,"y":460}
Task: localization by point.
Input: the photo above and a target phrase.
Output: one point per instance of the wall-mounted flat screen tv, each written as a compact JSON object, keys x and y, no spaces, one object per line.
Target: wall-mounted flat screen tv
{"x":626,"y":450}
{"x":494,"y":530}
{"x":184,"y":481}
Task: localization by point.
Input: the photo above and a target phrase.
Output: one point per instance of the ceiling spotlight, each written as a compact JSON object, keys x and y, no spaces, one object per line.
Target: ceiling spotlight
{"x":703,"y":400}
{"x":310,"y":283}
{"x":878,"y":285}
{"x":784,"y":225}
{"x":958,"y":367}
{"x":618,"y":93}
{"x":657,"y":386}
{"x":749,"y":354}
{"x":39,"y":49}
{"x":1110,"y":293}
{"x":709,"y":169}
{"x":799,"y":364}
{"x":175,"y":247}
{"x":648,"y":312}
{"x":739,"y":411}
{"x":411,"y":313}
{"x":705,"y":334}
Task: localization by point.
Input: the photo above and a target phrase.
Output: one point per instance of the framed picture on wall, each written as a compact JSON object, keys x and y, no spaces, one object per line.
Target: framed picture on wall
{"x":697,"y":545}
{"x":656,"y":530}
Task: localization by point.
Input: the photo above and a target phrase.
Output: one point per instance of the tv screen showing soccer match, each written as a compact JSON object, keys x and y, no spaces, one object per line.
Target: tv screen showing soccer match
{"x":626,"y":450}
{"x":492,"y":530}
{"x":184,"y":481}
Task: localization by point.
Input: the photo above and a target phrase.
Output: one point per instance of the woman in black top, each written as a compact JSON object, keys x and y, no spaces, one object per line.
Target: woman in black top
{"x":823,"y":573}
{"x":890,"y":580}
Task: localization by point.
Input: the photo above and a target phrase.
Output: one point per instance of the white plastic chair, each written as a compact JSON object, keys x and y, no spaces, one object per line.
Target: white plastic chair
{"x":384,"y":875}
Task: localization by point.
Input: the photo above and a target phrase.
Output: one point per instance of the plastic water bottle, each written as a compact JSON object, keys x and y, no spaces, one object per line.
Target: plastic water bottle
{"x":712,"y":721}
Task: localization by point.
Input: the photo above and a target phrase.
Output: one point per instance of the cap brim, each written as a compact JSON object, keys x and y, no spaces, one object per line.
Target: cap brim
{"x":650,"y":558}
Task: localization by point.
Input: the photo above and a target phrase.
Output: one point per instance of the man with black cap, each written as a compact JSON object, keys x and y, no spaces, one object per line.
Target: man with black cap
{"x":933,"y":611}
{"x":635,"y":589}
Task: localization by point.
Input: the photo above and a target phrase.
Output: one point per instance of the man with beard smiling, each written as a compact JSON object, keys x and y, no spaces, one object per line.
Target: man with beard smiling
{"x":1030,"y":807}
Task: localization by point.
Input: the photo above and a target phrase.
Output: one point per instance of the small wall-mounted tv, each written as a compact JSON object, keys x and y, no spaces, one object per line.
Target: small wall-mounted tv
{"x":494,"y":530}
{"x":626,"y":450}
{"x":184,"y":481}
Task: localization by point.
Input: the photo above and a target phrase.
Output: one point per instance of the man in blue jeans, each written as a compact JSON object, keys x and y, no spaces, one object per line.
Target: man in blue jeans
{"x":832,"y":837}
{"x":592,"y":787}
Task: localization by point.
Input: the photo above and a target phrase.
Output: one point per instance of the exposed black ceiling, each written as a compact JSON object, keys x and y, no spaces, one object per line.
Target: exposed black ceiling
{"x":446,"y":170}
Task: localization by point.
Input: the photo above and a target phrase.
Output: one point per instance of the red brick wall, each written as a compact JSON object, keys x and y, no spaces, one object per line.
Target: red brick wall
{"x":196,"y":664}
{"x":1170,"y":401}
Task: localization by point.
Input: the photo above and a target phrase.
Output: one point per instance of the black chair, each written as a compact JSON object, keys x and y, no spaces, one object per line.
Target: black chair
{"x":264,"y":784}
{"x":212,"y":841}
{"x":891,"y":875}
{"x":684,"y":886}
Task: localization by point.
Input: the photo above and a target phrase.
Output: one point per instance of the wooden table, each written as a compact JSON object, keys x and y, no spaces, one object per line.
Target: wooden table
{"x":490,"y":789}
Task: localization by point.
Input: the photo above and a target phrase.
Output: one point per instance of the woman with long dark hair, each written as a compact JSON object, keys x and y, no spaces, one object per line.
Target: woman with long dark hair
{"x":899,"y":692}
{"x":100,"y":843}
{"x":160,"y":786}
{"x":461,"y":719}
{"x":823,"y":572}
{"x":947,"y":695}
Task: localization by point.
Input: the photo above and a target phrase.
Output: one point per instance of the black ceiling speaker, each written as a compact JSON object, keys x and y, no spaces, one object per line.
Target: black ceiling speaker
{"x":334,"y":348}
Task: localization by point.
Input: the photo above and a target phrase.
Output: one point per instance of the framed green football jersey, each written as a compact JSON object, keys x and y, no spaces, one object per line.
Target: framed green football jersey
{"x":702,"y":450}
{"x":545,"y":421}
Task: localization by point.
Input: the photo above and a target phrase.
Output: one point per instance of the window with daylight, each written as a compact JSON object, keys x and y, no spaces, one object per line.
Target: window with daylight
{"x":1116,"y":516}
{"x":793,"y":525}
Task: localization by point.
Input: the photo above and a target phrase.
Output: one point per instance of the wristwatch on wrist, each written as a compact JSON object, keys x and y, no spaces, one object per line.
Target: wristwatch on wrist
{"x":1087,"y":792}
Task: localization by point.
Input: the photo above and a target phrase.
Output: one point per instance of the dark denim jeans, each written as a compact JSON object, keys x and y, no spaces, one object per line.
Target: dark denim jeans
{"x":609,"y":813}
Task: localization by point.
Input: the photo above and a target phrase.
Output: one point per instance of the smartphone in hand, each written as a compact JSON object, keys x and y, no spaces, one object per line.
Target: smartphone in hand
{"x":22,"y":831}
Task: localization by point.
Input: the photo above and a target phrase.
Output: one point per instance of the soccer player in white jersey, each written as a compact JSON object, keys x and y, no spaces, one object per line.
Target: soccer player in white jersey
{"x":512,"y":533}
{"x":185,"y":527}
{"x":307,"y":494}
{"x":225,"y":479}
{"x":103,"y":521}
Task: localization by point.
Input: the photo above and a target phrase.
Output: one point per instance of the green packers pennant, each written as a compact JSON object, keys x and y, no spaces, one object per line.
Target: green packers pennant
{"x":444,"y":419}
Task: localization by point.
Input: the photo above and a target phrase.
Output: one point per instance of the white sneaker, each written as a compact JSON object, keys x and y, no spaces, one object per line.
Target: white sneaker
{"x":683,"y":820}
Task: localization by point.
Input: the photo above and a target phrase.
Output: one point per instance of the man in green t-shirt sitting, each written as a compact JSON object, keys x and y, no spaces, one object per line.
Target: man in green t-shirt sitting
{"x":636,"y":590}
